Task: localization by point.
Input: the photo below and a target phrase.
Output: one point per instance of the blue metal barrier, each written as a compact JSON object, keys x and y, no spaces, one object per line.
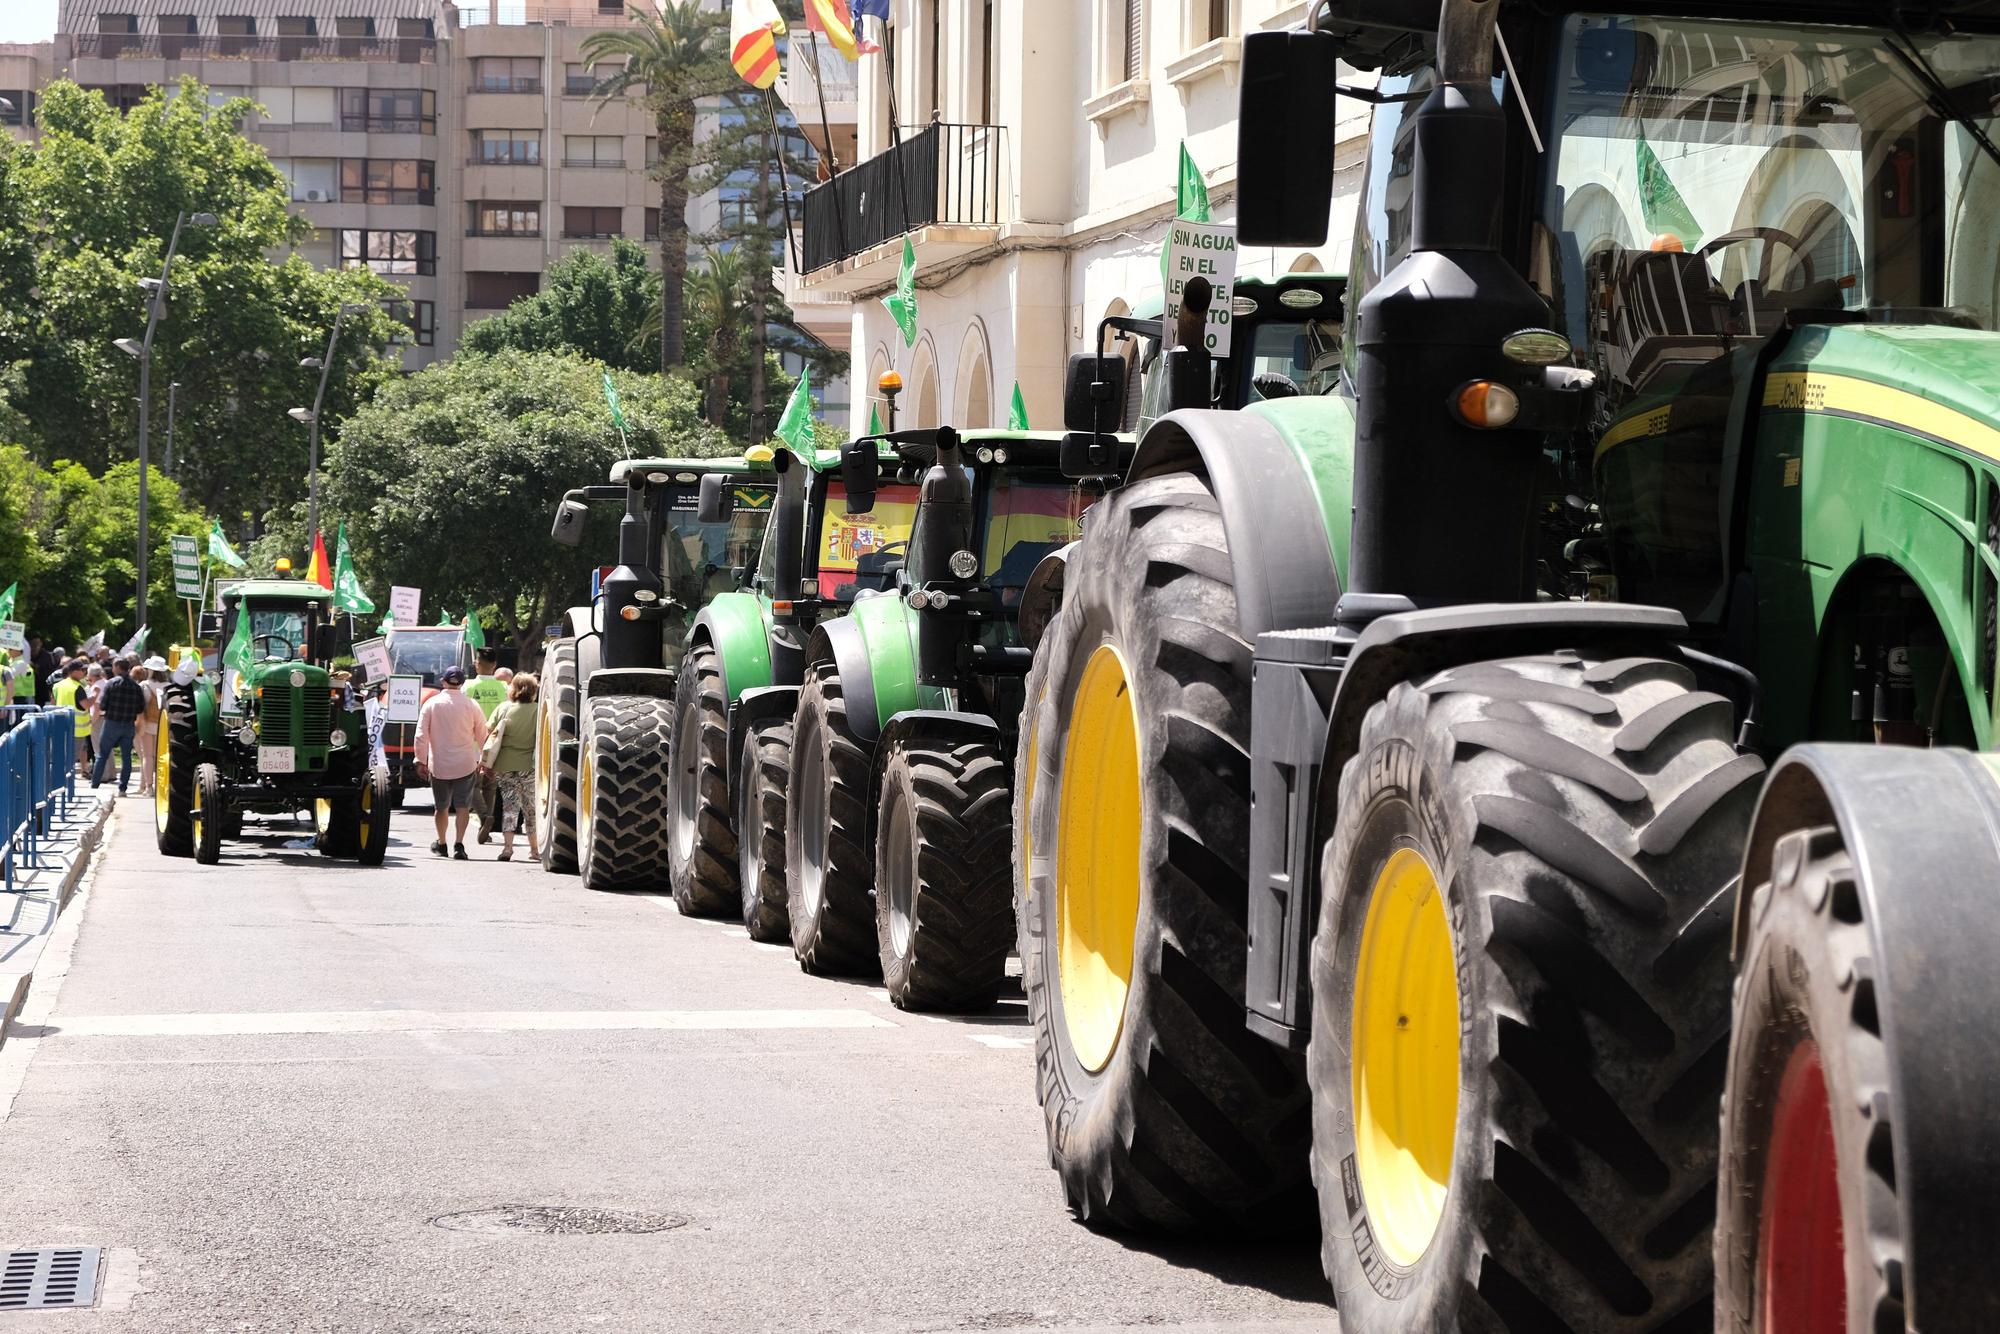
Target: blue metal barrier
{"x":37,"y":783}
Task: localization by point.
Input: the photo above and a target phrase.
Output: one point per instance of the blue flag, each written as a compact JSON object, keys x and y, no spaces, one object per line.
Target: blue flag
{"x":878,"y":8}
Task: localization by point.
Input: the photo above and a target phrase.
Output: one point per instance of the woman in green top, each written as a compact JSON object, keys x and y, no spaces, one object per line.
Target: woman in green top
{"x":510,"y":755}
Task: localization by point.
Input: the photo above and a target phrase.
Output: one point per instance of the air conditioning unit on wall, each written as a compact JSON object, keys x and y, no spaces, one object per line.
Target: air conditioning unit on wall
{"x":314,"y":196}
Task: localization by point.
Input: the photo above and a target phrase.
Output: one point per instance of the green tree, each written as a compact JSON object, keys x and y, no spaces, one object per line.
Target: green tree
{"x":97,"y":197}
{"x":589,"y":305}
{"x":448,"y":479}
{"x":677,"y":54}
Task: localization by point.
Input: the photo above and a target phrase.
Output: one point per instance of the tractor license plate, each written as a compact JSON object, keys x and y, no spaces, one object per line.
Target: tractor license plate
{"x":276,"y":760}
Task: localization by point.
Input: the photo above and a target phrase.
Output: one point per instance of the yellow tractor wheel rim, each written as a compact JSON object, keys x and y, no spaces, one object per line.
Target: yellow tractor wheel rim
{"x":586,"y":792}
{"x":163,"y":775}
{"x":1406,"y":1031}
{"x":1097,"y":859}
{"x":195,"y":812}
{"x":367,"y":813}
{"x":322,"y":814}
{"x":546,"y":734}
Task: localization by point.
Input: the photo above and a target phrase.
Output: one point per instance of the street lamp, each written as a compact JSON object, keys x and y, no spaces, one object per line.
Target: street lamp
{"x":173,"y":392}
{"x":310,"y":416}
{"x":156,"y":304}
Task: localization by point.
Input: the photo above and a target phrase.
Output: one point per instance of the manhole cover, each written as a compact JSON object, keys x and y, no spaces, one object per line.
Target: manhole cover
{"x":557,"y":1220}
{"x":51,"y":1277}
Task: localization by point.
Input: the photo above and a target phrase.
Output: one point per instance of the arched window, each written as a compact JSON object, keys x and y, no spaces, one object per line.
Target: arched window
{"x":1307,"y":263}
{"x":974,"y":390}
{"x":922,"y":402}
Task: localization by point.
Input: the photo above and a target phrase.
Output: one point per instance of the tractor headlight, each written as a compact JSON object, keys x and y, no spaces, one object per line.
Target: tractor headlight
{"x":246,"y":735}
{"x":1000,"y":455}
{"x":336,"y":738}
{"x":919,"y":600}
{"x":964,"y":564}
{"x":984,"y":455}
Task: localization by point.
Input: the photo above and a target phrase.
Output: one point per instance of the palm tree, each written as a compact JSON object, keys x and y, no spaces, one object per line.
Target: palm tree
{"x":715,"y":292}
{"x":676,"y":53}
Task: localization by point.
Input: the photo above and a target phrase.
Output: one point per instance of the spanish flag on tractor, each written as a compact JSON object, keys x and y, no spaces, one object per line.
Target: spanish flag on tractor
{"x":754,"y":29}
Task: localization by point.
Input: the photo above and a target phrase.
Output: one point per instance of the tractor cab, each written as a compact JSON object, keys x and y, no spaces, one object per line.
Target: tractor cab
{"x":1285,"y":342}
{"x":276,"y":627}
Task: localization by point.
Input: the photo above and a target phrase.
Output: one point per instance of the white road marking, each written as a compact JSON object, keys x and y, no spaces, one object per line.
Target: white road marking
{"x":121,"y":1280}
{"x":445,"y":1021}
{"x":775,"y":949}
{"x":996,"y":1040}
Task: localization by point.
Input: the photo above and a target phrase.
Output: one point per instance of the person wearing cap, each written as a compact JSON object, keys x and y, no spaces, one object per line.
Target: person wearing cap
{"x":69,"y":694}
{"x":451,"y":732}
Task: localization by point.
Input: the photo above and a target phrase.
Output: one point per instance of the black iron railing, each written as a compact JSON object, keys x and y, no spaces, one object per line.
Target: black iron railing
{"x":170,"y":46}
{"x":940,"y":174}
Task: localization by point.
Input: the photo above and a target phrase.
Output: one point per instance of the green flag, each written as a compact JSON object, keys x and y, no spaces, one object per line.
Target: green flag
{"x":348,"y":595}
{"x":219,"y":549}
{"x":475,"y":633}
{"x":1660,"y":203}
{"x":238,"y":655}
{"x":795,"y":427}
{"x":7,"y":601}
{"x":611,"y":397}
{"x":1017,"y":415}
{"x":902,"y":303}
{"x":874,"y":421}
{"x":1190,"y":191}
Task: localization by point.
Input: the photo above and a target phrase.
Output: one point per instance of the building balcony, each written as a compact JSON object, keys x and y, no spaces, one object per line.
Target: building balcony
{"x":510,"y":13}
{"x":487,"y":233}
{"x":943,"y":181}
{"x":163,"y":46}
{"x":593,"y":164}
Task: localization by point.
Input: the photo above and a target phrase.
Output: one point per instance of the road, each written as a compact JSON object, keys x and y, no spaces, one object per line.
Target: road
{"x":265,"y":1088}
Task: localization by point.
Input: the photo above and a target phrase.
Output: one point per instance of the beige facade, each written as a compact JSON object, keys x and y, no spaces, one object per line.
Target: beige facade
{"x":1055,"y":127}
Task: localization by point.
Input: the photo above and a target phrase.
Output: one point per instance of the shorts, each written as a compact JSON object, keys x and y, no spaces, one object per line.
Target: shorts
{"x":453,"y":794}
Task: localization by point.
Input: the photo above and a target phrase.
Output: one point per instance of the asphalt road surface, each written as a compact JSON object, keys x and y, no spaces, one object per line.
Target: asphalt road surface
{"x":290,"y":1094}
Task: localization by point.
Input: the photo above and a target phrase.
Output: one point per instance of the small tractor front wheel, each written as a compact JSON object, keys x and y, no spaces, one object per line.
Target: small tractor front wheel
{"x":760,"y":828}
{"x":829,"y":849}
{"x":702,"y":853}
{"x":556,"y":760}
{"x":209,"y":814}
{"x":173,"y":775}
{"x":623,"y":780}
{"x":944,"y":903}
{"x":1520,"y":997}
{"x":371,"y":830}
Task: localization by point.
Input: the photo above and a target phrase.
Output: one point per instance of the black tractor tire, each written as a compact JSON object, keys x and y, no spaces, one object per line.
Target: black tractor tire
{"x":558,"y":718}
{"x":371,"y":826}
{"x":209,"y":816}
{"x":623,"y":842}
{"x":396,"y":794}
{"x":1189,"y":1123}
{"x":173,"y":800}
{"x":944,"y":902}
{"x":702,"y":858}
{"x":1578,"y":821}
{"x":337,"y":828}
{"x":829,"y":842}
{"x":760,"y":828}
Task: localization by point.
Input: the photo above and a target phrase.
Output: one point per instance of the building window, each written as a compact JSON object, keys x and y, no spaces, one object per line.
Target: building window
{"x":582,"y":80}
{"x":507,"y":74}
{"x":652,"y":151}
{"x":497,"y":291}
{"x":235,"y":34}
{"x":297,"y":37}
{"x":516,"y":218}
{"x":422,"y":320}
{"x":593,"y":150}
{"x":652,"y":224}
{"x":177,"y":36}
{"x":520,"y":148}
{"x":312,"y":178}
{"x":387,"y":181}
{"x":1220,"y":22}
{"x":120,"y":96}
{"x":389,"y":252}
{"x":988,"y":40}
{"x":19,"y":108}
{"x":1132,"y":36}
{"x":592,"y":224}
{"x":389,"y":110}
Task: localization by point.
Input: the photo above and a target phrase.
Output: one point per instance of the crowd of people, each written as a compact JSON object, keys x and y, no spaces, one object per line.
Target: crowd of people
{"x":475,"y":746}
{"x":117,"y":702}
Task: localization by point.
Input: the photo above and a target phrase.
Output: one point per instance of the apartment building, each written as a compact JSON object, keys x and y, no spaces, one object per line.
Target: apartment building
{"x":1037,"y":145}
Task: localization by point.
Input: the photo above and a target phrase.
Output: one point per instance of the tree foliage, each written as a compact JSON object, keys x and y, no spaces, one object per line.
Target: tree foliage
{"x":448,"y":479}
{"x":589,"y":305}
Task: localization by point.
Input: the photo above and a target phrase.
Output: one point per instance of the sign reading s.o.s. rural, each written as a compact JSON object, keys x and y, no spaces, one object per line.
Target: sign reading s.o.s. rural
{"x":1202,"y":250}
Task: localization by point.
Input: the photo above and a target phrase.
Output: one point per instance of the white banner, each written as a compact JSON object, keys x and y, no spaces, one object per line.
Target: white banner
{"x":14,"y":636}
{"x":403,"y":604}
{"x":406,"y":698}
{"x":373,"y":656}
{"x":1202,"y":250}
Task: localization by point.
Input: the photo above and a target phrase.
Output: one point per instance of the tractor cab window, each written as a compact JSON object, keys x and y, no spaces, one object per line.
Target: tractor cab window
{"x":862,"y":552}
{"x":1716,"y":184}
{"x":699,"y":560}
{"x":426,"y":653}
{"x":277,"y":634}
{"x":1024,"y":521}
{"x":1292,"y":357}
{"x":1382,"y":232}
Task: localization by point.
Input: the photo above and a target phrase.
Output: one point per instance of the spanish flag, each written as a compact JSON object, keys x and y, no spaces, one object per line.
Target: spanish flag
{"x":754,"y":29}
{"x":320,"y":570}
{"x":832,"y":18}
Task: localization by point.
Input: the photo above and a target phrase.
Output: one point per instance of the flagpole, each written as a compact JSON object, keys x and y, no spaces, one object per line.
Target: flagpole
{"x":784,"y":179}
{"x":895,"y":124}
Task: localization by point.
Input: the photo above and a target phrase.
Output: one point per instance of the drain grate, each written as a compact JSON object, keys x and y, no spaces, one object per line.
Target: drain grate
{"x":557,"y":1220}
{"x":54,"y":1276}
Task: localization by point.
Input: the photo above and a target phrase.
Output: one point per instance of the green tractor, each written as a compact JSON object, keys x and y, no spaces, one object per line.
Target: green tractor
{"x":611,"y":673}
{"x":1413,"y":772}
{"x":746,"y":658}
{"x":1285,"y":341}
{"x":275,"y":732}
{"x":898,"y":804}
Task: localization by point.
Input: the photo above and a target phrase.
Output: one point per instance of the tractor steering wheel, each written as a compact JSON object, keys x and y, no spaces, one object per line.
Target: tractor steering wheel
{"x":286,"y":644}
{"x":1743,"y":235}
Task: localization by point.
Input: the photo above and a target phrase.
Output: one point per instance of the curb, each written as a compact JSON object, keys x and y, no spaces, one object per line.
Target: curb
{"x":14,"y":986}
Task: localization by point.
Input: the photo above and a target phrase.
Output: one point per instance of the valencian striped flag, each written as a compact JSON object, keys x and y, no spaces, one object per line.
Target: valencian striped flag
{"x":754,"y":29}
{"x":832,"y":18}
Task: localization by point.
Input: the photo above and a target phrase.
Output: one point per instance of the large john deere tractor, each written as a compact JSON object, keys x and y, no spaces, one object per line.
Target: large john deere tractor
{"x":746,"y":657}
{"x":897,"y":807}
{"x":275,"y":733}
{"x":607,"y":683}
{"x":1359,"y":849}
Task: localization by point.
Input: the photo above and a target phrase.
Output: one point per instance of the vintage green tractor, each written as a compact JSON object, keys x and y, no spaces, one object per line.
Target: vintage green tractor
{"x":746,"y":658}
{"x":1425,"y":722}
{"x":898,"y":804}
{"x":618,"y":655}
{"x":272,"y":730}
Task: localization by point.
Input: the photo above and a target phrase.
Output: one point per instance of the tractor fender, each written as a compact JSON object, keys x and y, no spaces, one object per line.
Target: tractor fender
{"x":207,"y":715}
{"x":1279,"y":546}
{"x":934,"y":724}
{"x":840,"y":642}
{"x":1922,"y":829}
{"x":751,"y":708}
{"x":589,"y":648}
{"x":733,"y":625}
{"x":1041,"y":598}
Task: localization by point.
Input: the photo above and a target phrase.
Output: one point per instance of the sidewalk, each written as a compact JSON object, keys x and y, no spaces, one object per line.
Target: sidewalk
{"x":26,"y":919}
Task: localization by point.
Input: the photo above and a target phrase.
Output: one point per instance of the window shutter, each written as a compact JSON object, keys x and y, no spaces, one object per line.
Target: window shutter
{"x":1135,"y":39}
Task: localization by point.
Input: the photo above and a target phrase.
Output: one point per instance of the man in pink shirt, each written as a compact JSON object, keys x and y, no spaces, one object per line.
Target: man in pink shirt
{"x":451,"y":731}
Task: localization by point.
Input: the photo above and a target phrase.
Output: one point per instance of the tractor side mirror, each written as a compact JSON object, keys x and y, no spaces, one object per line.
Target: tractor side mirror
{"x":210,"y":625}
{"x":570,"y":517}
{"x":1094,"y":393}
{"x":1284,"y":138}
{"x":860,"y":474}
{"x":325,"y":642}
{"x":717,"y":500}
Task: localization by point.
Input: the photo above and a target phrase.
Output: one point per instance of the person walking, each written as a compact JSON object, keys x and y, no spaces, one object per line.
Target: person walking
{"x":510,"y":757}
{"x":47,"y":663}
{"x":69,"y":694}
{"x":489,"y":692}
{"x":451,"y":732}
{"x":120,"y":706}
{"x":150,"y":674}
{"x":93,"y":689}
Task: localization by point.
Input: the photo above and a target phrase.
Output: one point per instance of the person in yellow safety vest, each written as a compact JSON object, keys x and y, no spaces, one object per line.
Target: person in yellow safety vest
{"x":24,"y":678}
{"x":69,"y":694}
